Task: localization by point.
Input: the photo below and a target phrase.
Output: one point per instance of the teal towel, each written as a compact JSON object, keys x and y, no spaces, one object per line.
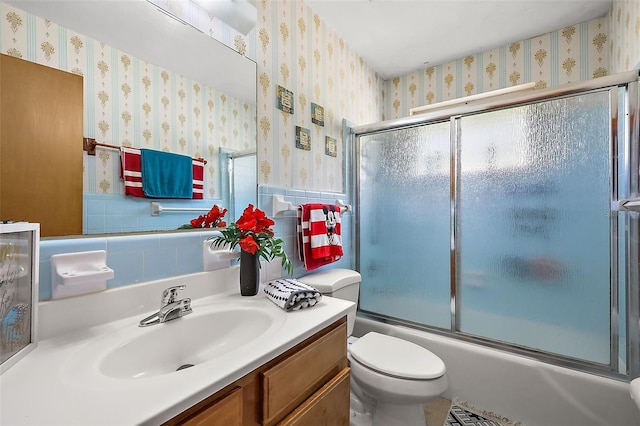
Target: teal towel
{"x":166,"y":175}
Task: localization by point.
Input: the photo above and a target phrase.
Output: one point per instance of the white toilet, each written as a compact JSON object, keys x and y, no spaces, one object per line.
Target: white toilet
{"x":391,"y":378}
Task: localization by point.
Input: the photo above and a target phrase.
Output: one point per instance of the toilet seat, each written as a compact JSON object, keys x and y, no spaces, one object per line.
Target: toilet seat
{"x":396,"y":357}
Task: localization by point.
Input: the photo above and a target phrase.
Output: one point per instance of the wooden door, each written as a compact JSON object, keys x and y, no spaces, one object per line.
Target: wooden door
{"x":41,"y":134}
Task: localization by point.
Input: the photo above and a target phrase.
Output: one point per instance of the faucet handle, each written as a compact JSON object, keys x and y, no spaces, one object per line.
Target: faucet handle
{"x":169,"y":295}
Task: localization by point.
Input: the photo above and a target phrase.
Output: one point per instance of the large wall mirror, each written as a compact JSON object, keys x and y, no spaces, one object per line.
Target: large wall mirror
{"x":151,"y":80}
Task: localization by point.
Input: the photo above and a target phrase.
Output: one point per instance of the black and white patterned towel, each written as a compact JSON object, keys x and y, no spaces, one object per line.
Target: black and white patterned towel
{"x":291,"y":294}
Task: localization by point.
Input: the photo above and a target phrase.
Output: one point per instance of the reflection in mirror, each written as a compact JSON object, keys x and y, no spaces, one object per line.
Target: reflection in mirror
{"x":242,"y":169}
{"x":150,"y":81}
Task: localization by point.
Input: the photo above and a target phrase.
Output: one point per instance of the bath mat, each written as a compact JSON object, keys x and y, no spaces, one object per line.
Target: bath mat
{"x":458,"y":416}
{"x":462,"y":414}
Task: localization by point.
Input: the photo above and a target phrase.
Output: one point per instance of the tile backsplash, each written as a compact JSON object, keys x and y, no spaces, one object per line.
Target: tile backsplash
{"x":111,"y":213}
{"x":138,"y":258}
{"x":134,"y":258}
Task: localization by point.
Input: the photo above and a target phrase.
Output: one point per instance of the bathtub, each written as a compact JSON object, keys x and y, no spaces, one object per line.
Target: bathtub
{"x":519,"y":388}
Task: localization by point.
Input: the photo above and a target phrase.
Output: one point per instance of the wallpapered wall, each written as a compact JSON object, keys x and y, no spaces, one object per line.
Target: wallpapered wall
{"x":131,"y":102}
{"x":583,"y":51}
{"x":575,"y":53}
{"x":624,"y":33}
{"x":299,"y":52}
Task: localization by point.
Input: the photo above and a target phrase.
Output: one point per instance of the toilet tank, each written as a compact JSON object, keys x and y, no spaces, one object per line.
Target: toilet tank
{"x":339,"y":283}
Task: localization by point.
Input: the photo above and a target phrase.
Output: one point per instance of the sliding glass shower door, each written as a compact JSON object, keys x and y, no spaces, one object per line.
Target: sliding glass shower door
{"x":404,"y":249}
{"x":500,"y":225}
{"x":534,"y":226}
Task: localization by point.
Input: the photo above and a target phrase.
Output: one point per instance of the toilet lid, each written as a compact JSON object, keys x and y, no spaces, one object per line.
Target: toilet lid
{"x":396,"y":357}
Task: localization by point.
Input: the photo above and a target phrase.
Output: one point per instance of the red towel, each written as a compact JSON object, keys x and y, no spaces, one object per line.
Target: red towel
{"x":319,"y":241}
{"x":131,"y":173}
{"x":325,"y":231}
{"x":198,"y":178}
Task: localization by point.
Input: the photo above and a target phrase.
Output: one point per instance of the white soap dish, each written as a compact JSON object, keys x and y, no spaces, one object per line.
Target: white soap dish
{"x":217,"y":258}
{"x":73,"y":274}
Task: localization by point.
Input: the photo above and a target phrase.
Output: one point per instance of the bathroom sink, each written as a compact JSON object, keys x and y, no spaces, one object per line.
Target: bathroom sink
{"x":209,"y":333}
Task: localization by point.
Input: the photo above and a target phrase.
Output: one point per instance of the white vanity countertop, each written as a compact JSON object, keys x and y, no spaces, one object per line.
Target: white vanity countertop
{"x":59,"y":383}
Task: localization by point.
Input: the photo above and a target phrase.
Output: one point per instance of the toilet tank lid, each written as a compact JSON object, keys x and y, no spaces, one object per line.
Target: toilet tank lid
{"x":331,"y":279}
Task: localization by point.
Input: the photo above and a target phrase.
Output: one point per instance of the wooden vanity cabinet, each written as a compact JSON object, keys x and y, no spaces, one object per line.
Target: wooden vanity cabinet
{"x":307,"y":385}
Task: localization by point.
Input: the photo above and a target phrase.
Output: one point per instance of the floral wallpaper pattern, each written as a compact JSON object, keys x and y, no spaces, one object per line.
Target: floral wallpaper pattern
{"x":602,"y":46}
{"x":575,"y":53}
{"x":624,"y":32}
{"x":131,"y":102}
{"x":289,"y":50}
{"x":297,"y":51}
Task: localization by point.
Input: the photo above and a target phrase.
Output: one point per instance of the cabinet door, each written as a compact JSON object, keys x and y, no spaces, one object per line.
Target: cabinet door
{"x":225,"y":412}
{"x":327,"y":407}
{"x":296,"y":378}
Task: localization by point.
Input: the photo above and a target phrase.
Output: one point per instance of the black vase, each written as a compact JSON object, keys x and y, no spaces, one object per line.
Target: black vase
{"x":249,"y":273}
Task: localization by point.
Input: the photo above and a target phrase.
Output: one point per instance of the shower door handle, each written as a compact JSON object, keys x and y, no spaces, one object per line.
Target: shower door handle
{"x":631,"y":204}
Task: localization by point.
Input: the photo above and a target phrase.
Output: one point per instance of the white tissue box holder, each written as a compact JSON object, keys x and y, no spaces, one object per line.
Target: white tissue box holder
{"x":73,"y":274}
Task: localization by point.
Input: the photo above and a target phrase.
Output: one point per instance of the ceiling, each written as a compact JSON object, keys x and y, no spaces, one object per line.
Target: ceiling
{"x":397,"y":37}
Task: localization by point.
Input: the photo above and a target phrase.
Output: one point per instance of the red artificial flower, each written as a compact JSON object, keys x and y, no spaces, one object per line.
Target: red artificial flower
{"x":197,"y":222}
{"x":255,"y":221}
{"x":252,"y":232}
{"x":212,"y":219}
{"x":248,"y":244}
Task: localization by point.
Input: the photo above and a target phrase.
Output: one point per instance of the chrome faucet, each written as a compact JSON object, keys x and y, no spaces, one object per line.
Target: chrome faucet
{"x":170,"y":308}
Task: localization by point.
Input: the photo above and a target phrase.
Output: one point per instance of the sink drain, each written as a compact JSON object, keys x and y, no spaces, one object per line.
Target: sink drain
{"x":182,"y":367}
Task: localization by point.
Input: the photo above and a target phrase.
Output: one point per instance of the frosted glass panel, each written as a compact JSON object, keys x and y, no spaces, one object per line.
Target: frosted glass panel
{"x":405,"y":224}
{"x":244,"y":184}
{"x":534,"y":225}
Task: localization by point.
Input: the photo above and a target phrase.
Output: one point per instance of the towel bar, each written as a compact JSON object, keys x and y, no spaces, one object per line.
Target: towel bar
{"x":280,"y":205}
{"x":89,"y":145}
{"x":156,"y":209}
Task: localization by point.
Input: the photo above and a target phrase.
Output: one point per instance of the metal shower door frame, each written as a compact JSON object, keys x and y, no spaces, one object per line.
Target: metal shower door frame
{"x":629,"y":119}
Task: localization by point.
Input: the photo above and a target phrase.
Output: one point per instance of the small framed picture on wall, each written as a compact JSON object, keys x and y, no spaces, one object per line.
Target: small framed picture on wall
{"x":330,"y":147}
{"x":317,"y":114}
{"x":303,"y":138}
{"x":284,"y":100}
